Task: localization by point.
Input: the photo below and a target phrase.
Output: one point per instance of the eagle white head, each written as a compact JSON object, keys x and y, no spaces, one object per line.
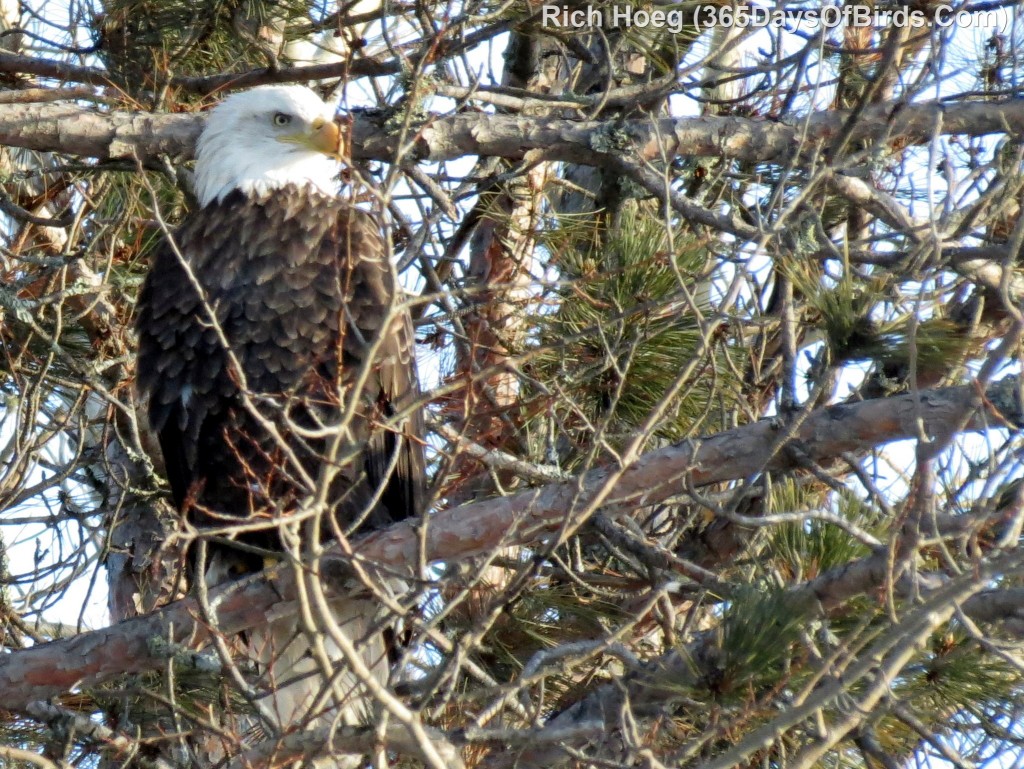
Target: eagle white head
{"x":264,"y":139}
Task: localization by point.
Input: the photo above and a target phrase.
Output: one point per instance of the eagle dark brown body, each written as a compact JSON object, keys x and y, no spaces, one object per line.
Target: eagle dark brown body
{"x":303,"y":293}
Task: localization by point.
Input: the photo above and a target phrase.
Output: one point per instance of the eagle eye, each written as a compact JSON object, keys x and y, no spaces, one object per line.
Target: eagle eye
{"x":281,"y":119}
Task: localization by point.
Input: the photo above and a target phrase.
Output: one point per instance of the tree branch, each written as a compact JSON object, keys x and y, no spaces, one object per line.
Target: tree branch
{"x":11,"y":63}
{"x":73,"y":129}
{"x":47,"y":670}
{"x":307,"y":744}
{"x":598,"y":714}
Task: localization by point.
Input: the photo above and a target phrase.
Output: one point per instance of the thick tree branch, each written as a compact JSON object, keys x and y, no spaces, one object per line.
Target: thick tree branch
{"x":734,"y":454}
{"x":984,"y":265}
{"x":665,"y":138}
{"x":73,"y":129}
{"x":88,"y":659}
{"x":16,"y":64}
{"x":11,"y":63}
{"x":86,"y":132}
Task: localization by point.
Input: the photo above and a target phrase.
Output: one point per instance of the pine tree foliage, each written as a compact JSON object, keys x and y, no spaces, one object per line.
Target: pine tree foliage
{"x":625,"y":329}
{"x":721,"y":336}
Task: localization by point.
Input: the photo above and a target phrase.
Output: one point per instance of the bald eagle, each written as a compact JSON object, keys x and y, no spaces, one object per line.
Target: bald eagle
{"x":278,"y":366}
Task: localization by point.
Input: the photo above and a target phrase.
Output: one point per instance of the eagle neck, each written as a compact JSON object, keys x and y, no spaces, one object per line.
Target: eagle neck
{"x":293,"y":197}
{"x":255,"y":176}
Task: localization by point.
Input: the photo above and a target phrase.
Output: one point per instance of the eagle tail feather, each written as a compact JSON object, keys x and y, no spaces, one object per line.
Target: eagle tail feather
{"x":299,"y":693}
{"x":299,"y":690}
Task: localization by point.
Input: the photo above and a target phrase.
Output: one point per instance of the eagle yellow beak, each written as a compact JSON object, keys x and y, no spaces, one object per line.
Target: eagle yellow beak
{"x":325,"y":137}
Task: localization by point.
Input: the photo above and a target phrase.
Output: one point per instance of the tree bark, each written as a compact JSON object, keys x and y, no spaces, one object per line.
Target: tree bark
{"x":125,"y":135}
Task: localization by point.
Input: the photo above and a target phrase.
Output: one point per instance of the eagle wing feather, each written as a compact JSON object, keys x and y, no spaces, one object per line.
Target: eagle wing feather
{"x":300,"y":286}
{"x":303,"y":306}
